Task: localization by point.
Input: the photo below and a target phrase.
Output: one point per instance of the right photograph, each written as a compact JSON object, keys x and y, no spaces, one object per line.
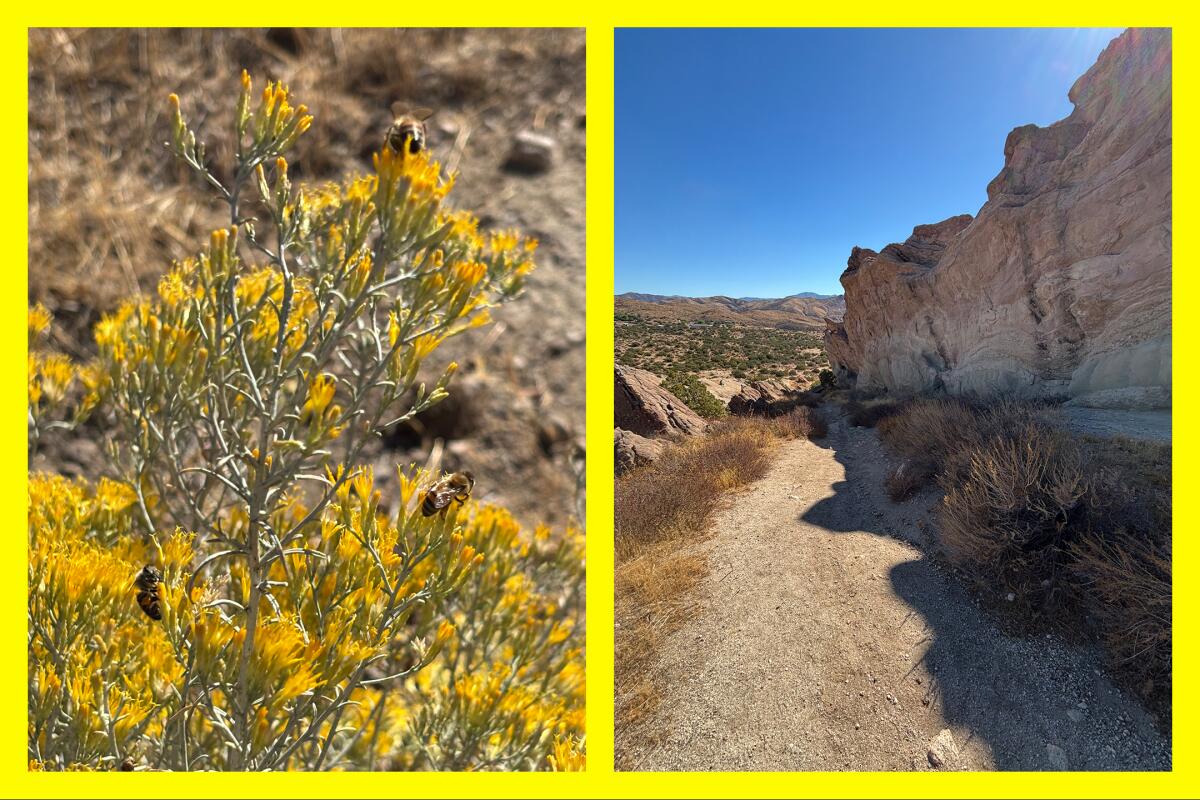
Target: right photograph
{"x":893,"y":399}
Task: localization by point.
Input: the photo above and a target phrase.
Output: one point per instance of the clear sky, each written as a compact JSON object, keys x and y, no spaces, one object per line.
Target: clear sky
{"x":749,"y":162}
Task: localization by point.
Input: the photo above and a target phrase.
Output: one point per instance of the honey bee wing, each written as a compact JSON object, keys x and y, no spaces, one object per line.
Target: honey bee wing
{"x":441,"y":496}
{"x":421,"y":113}
{"x":399,"y":109}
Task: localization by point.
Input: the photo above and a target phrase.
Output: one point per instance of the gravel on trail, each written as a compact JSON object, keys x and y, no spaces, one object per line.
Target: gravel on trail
{"x":829,"y":640}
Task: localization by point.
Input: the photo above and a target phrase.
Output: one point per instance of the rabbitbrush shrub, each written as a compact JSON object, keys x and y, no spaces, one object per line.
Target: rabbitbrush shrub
{"x":303,"y":627}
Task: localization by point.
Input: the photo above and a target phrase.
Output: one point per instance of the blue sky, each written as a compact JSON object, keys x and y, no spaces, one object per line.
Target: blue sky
{"x":749,"y":162}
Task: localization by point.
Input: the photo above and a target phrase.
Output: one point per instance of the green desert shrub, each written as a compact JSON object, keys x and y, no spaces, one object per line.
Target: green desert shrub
{"x":688,"y":388}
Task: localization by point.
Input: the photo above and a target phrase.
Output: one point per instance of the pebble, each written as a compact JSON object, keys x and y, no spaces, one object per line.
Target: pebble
{"x":1057,"y":757}
{"x":531,"y":153}
{"x":943,"y":751}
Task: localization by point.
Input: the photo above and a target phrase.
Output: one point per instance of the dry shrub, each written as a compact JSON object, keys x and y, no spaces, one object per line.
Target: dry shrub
{"x":1127,"y":582}
{"x":1121,"y":566}
{"x":868,"y":416}
{"x":659,"y":509}
{"x":909,"y":477}
{"x":1006,"y":524}
{"x":802,"y":422}
{"x":1075,"y":529}
{"x":673,"y":497}
{"x":929,"y":428}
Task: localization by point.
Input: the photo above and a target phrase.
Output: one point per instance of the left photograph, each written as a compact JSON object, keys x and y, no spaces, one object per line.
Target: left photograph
{"x":306,"y":399}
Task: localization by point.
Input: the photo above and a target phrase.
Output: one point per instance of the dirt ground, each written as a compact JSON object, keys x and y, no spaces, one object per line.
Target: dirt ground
{"x":109,"y":209}
{"x":1149,"y":425}
{"x":829,"y":640}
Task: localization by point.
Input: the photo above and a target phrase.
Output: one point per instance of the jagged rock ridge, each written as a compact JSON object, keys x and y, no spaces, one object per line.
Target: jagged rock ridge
{"x":1060,"y":287}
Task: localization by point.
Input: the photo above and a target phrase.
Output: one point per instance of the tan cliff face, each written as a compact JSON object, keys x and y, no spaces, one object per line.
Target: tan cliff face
{"x":1061,"y":286}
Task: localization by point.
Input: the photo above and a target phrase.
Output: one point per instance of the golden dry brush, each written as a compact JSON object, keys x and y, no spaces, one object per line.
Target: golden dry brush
{"x":306,"y":623}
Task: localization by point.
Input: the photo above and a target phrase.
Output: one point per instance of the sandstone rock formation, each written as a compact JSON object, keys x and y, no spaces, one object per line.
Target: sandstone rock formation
{"x":1060,"y":287}
{"x":633,"y":450}
{"x":647,"y":409}
{"x":765,"y":397}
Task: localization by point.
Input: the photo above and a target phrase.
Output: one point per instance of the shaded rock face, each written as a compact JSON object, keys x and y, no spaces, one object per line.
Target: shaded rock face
{"x":1060,"y":287}
{"x":633,"y":450}
{"x":753,"y":397}
{"x":769,"y":398}
{"x":647,"y":409}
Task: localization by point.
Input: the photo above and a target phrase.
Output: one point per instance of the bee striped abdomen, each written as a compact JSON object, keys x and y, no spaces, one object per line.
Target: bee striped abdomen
{"x":407,"y":134}
{"x":452,"y":488}
{"x":148,"y":582}
{"x":412,"y":134}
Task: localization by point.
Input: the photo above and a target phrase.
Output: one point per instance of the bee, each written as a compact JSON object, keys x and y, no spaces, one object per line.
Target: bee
{"x":407,"y":133}
{"x":147,"y":583}
{"x":453,"y":488}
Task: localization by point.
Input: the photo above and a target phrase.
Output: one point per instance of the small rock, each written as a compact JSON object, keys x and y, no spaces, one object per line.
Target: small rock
{"x":1057,"y":757}
{"x":1075,"y":715}
{"x":892,"y":699}
{"x":531,"y":153}
{"x":1010,"y":597}
{"x":943,"y":751}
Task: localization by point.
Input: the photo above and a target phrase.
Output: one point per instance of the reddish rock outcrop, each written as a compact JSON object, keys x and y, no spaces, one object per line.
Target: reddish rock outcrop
{"x":1060,"y":287}
{"x":647,"y":409}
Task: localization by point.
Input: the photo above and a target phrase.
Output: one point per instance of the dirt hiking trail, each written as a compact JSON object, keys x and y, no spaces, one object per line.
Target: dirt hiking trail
{"x":828,"y":640}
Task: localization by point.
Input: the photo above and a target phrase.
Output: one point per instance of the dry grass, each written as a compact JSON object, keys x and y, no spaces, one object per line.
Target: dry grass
{"x":1121,"y":565}
{"x":1018,"y":505}
{"x":909,"y":477}
{"x":803,"y":422}
{"x":661,"y":510}
{"x":1076,"y":531}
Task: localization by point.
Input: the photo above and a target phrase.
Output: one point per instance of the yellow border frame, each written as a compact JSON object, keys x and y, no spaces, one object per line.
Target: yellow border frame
{"x":600,"y":781}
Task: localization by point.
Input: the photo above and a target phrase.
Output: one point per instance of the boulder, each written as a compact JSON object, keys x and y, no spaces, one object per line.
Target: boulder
{"x":1060,"y":287}
{"x":633,"y":450}
{"x":644,"y":407}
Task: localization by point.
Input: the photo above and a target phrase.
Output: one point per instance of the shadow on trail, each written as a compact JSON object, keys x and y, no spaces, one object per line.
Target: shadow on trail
{"x":1017,"y":695}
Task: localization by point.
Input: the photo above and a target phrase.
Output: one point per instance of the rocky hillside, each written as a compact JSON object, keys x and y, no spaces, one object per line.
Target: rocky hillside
{"x":798,"y":311}
{"x":1060,"y":287}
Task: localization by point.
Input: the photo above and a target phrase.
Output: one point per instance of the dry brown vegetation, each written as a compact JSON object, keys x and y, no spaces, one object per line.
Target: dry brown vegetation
{"x":908,"y":477}
{"x":109,"y":209}
{"x":1052,"y":529}
{"x":660,"y":509}
{"x":804,"y":421}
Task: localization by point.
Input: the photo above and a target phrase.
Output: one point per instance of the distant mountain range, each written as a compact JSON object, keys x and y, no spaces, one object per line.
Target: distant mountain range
{"x":804,"y":310}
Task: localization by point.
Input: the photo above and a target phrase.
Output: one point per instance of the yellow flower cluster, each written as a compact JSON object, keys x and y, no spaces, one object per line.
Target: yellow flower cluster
{"x":490,"y":664}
